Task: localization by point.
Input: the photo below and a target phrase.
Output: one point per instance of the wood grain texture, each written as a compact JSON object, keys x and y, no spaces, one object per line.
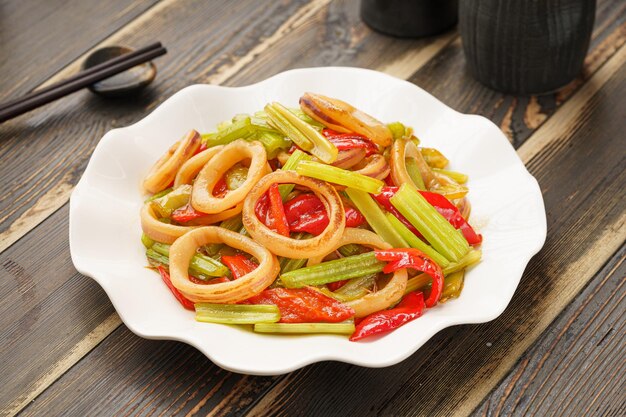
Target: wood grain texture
{"x":582,"y":237}
{"x":576,"y":368}
{"x":34,"y":36}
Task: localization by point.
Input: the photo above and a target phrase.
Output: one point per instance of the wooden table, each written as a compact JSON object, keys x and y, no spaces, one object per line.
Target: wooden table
{"x":558,"y":349}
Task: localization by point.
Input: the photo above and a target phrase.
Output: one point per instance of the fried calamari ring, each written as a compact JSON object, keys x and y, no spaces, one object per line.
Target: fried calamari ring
{"x":240,"y":289}
{"x":157,"y":230}
{"x":164,"y":170}
{"x":348,"y":158}
{"x":374,"y":166}
{"x":192,"y":167}
{"x":202,"y":198}
{"x":405,"y":148}
{"x":383,"y":298}
{"x":285,"y":246}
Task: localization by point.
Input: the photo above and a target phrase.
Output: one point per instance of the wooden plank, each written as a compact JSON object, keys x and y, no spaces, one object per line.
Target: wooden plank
{"x":39,"y":38}
{"x":23,"y":211}
{"x":582,"y":237}
{"x":576,"y":368}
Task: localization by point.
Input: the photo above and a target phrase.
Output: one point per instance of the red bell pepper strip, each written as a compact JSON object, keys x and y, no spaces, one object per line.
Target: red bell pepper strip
{"x":334,"y":286}
{"x":345,"y":141}
{"x":221,"y":188}
{"x":186,"y":214}
{"x":201,"y":148}
{"x":239,"y":265}
{"x":188,"y":304}
{"x":410,"y":308}
{"x":414,"y":259}
{"x":303,"y":305}
{"x":448,"y":210}
{"x":306,"y":213}
{"x":277,"y":211}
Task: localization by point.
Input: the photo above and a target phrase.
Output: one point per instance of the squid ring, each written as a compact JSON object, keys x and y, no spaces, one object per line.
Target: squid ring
{"x":244,"y":287}
{"x":376,"y":166}
{"x":402,"y":149}
{"x":285,"y":246}
{"x":157,"y":230}
{"x":381,"y":299}
{"x":192,"y":167}
{"x":202,"y":198}
{"x":164,"y":170}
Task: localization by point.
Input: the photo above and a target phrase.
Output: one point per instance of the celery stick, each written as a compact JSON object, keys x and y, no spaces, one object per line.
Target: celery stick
{"x":288,"y":264}
{"x":147,"y":241}
{"x":376,"y":218}
{"x":418,"y":282}
{"x":303,"y":328}
{"x":434,"y":158}
{"x":294,"y":160}
{"x":156,"y":259}
{"x":446,"y":240}
{"x":350,"y":249}
{"x":339,"y":176}
{"x":322,"y":147}
{"x":416,"y":242}
{"x":456,"y":176}
{"x":158,"y":195}
{"x":331,"y":271}
{"x":414,"y":172}
{"x":273,"y":142}
{"x":471,"y":258}
{"x":453,"y":285}
{"x":165,"y":205}
{"x":281,"y":123}
{"x":234,"y":223}
{"x":200,"y":266}
{"x":237,"y":313}
{"x":356,"y":288}
{"x":242,"y":128}
{"x":397,"y":130}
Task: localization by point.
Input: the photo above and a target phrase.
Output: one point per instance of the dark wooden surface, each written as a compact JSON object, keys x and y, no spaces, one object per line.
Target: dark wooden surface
{"x":63,"y":350}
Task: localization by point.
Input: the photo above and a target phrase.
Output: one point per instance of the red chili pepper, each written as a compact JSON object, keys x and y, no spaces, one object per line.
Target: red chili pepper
{"x":239,"y":265}
{"x":277,"y":211}
{"x":221,"y":188}
{"x":212,"y":281}
{"x":187,"y":213}
{"x":303,"y":305}
{"x":441,"y":204}
{"x":414,"y":259}
{"x":188,"y":304}
{"x":410,"y":308}
{"x":345,"y":141}
{"x":306,"y":213}
{"x":334,"y":286}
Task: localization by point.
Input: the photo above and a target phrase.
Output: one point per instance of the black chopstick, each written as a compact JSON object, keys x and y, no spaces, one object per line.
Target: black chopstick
{"x":79,"y":81}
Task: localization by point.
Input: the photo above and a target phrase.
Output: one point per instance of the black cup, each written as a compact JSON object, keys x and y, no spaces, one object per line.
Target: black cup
{"x":409,"y":18}
{"x":526,"y":46}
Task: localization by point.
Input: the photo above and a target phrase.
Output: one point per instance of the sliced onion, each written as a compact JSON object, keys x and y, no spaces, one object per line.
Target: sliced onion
{"x":192,"y":167}
{"x":157,"y":230}
{"x":210,"y":219}
{"x":383,"y":298}
{"x":184,"y":248}
{"x":405,"y":148}
{"x":164,"y":170}
{"x":286,"y":246}
{"x":202,"y":198}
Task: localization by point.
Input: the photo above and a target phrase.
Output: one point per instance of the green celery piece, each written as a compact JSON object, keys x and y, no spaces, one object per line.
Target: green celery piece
{"x":240,"y":129}
{"x":201,"y":266}
{"x":288,"y":264}
{"x":350,"y":249}
{"x":158,"y":195}
{"x":456,"y":176}
{"x":416,"y":242}
{"x":156,"y":259}
{"x":305,"y":136}
{"x":356,"y":288}
{"x":376,"y":218}
{"x":332,"y":271}
{"x":147,"y":241}
{"x":418,"y":282}
{"x":165,"y":205}
{"x":273,"y":142}
{"x":340,"y":176}
{"x":446,"y":240}
{"x":236,"y":313}
{"x":294,"y":160}
{"x":453,"y":285}
{"x":413,"y":170}
{"x":397,"y":130}
{"x":472,"y":257}
{"x":305,"y":328}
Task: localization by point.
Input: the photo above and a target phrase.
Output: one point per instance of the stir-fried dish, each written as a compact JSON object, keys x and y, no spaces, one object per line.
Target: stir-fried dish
{"x":317,"y":219}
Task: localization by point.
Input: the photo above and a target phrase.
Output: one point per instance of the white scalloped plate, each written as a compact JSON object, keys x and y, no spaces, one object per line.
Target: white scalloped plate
{"x":105,"y":230}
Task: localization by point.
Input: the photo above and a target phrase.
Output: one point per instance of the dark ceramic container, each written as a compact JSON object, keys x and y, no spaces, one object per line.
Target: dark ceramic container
{"x":526,"y":46}
{"x":409,"y":18}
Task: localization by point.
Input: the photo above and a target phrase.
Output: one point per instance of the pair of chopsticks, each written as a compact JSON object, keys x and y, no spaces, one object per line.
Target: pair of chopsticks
{"x":79,"y":81}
